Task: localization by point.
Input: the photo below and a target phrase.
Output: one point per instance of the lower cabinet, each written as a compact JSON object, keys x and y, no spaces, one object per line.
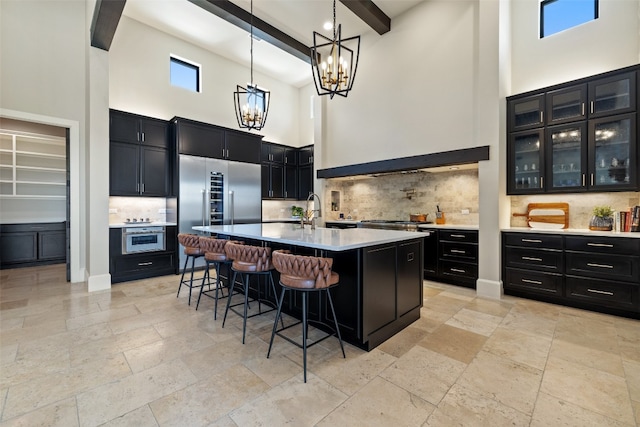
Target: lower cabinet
{"x":597,"y":273}
{"x":141,"y":265}
{"x":451,"y":255}
{"x":27,"y":245}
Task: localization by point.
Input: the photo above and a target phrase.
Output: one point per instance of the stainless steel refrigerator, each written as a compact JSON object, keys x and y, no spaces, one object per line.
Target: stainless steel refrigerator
{"x":214,"y":191}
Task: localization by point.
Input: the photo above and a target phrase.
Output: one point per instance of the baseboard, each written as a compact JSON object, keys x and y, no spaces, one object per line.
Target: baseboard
{"x":489,"y":288}
{"x":99,"y":282}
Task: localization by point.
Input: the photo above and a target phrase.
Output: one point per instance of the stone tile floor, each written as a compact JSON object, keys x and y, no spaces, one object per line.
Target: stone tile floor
{"x":138,"y":356}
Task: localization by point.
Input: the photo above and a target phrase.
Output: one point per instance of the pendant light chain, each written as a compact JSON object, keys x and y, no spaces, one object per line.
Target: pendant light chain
{"x":251,"y":49}
{"x":334,"y":19}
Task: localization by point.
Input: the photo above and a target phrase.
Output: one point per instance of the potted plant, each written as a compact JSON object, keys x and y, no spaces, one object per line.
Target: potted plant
{"x":602,"y":219}
{"x":297,"y":211}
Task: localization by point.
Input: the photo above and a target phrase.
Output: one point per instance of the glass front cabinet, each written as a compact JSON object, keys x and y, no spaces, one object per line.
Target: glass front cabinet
{"x":575,"y":137}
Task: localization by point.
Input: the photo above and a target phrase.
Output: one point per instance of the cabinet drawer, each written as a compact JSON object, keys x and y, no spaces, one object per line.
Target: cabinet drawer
{"x":458,"y":236}
{"x":603,"y":292}
{"x":534,"y":259}
{"x":547,"y":284}
{"x":604,"y":245}
{"x":460,"y":251}
{"x":459,"y":269}
{"x":613,"y":267}
{"x":137,"y":263}
{"x":531,"y":240}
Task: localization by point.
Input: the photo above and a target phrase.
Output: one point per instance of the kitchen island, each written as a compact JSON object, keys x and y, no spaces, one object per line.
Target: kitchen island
{"x":380,"y":289}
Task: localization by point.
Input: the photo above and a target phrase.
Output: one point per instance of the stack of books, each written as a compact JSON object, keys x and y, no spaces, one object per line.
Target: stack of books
{"x":628,"y":220}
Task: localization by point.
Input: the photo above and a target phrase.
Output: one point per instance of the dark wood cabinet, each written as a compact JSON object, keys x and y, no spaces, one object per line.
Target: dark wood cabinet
{"x":141,"y":265}
{"x":136,"y":129}
{"x":216,"y":142}
{"x":139,"y":156}
{"x":281,"y":174}
{"x":597,"y":273}
{"x":575,"y":137}
{"x":26,"y":245}
{"x":451,"y":255}
{"x":137,"y":170}
{"x":305,"y":155}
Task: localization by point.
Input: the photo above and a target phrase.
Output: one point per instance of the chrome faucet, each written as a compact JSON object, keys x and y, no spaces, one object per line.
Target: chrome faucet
{"x":311,"y":197}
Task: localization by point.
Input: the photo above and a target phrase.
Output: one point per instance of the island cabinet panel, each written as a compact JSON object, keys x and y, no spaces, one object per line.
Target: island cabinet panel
{"x":409,"y":280}
{"x":379,"y":297}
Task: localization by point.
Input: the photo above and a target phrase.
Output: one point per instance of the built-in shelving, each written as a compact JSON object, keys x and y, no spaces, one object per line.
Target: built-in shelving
{"x":32,"y":166}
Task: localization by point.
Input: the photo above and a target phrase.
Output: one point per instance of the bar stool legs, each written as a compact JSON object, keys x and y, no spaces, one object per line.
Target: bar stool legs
{"x":305,"y":325}
{"x":218,"y":285}
{"x":188,"y":283}
{"x":245,"y":277}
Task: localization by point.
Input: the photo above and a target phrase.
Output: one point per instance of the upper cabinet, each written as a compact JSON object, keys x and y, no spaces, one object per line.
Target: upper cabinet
{"x":206,"y":140}
{"x":578,"y":136}
{"x":287,"y":172}
{"x":139,"y":161}
{"x":135,"y":129}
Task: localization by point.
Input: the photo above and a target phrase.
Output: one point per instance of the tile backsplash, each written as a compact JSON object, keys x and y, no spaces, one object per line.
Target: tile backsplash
{"x":154,"y":208}
{"x":396,"y":196}
{"x":580,"y":205}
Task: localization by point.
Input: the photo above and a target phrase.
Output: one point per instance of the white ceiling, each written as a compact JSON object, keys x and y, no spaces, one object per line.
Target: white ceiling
{"x":297,"y":18}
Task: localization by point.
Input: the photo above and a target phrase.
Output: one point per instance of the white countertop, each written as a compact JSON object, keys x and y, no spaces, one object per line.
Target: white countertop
{"x":331,"y":239}
{"x":143,"y":224}
{"x":574,"y":231}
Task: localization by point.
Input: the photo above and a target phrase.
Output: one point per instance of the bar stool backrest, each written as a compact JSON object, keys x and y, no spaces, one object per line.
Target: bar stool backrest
{"x":191,"y":243}
{"x":258,"y":256}
{"x":304,"y":271}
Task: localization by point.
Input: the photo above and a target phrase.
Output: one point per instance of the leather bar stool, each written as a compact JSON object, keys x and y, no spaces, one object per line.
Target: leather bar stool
{"x":215,"y":254}
{"x":249,"y":261}
{"x":305,"y":274}
{"x":191,"y":243}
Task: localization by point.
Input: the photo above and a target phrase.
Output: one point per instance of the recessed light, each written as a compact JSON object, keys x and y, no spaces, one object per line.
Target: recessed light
{"x":454,"y":168}
{"x":328,"y":25}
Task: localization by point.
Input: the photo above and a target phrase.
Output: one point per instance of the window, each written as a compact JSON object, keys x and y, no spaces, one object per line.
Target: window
{"x":560,"y":15}
{"x":185,"y":74}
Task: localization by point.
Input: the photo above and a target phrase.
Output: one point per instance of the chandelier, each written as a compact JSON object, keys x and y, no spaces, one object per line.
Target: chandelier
{"x":251,"y":103}
{"x":334,"y":61}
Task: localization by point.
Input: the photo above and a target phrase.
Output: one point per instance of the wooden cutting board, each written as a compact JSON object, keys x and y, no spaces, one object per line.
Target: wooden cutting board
{"x":547,"y":215}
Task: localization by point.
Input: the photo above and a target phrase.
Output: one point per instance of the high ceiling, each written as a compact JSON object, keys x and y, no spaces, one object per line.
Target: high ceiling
{"x":296,"y":18}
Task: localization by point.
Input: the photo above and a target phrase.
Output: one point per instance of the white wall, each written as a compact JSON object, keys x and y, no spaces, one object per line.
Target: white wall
{"x":609,"y":42}
{"x":139,"y":83}
{"x":413,"y":91}
{"x":43,"y":79}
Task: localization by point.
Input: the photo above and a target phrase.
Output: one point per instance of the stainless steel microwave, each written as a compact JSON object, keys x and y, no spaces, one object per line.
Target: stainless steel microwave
{"x":143,"y":239}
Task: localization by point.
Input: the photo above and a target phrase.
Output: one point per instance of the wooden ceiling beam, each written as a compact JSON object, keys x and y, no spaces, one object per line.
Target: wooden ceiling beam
{"x":106,"y":16}
{"x":241,"y":18}
{"x":370,"y":14}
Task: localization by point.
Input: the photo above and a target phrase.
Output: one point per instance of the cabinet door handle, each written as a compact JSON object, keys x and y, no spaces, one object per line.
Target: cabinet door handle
{"x":456,"y":251}
{"x":138,"y":136}
{"x":591,"y":107}
{"x":535,"y":282}
{"x":593,"y":264}
{"x":137,"y":188}
{"x":142,"y":136}
{"x":541,"y":116}
{"x":600,"y":245}
{"x":584,"y":179}
{"x":458,"y":270}
{"x":142,"y":264}
{"x":410,"y":256}
{"x":592,"y":180}
{"x":542,"y":182}
{"x":597,"y":291}
{"x":143,"y":187}
{"x":531,"y":240}
{"x":583,"y":108}
{"x":529,"y":258}
{"x":458,"y":236}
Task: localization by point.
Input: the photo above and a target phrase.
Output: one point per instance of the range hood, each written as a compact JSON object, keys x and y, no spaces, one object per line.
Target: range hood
{"x":428,"y":162}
